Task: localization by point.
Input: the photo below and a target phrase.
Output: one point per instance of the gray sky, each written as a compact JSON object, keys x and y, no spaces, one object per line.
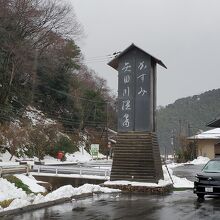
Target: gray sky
{"x":184,"y":34}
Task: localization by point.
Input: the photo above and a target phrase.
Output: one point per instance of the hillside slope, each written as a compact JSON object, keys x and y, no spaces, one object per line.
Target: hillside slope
{"x":186,"y":116}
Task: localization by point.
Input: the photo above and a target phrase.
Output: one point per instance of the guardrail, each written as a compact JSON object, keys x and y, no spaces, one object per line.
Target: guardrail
{"x":76,"y":170}
{"x":6,"y":170}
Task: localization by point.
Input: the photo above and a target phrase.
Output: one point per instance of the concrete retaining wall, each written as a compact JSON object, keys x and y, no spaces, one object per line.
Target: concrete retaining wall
{"x":57,"y":181}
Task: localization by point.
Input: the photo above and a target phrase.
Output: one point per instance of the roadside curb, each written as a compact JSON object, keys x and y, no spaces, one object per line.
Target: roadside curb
{"x":43,"y":205}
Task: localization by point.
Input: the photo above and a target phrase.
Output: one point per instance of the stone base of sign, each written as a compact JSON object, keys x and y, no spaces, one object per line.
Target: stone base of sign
{"x":137,"y":158}
{"x":142,"y":189}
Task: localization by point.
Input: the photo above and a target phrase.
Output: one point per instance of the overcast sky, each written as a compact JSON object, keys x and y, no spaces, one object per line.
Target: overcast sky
{"x":184,"y":34}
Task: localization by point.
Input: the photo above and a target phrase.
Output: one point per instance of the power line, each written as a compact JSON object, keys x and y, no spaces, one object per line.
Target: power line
{"x":104,"y":58}
{"x":71,"y":96}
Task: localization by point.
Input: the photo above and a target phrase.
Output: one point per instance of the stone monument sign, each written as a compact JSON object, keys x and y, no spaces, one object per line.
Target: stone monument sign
{"x":136,"y":117}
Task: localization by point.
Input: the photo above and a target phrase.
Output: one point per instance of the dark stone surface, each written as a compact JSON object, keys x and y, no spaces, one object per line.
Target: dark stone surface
{"x":142,"y":189}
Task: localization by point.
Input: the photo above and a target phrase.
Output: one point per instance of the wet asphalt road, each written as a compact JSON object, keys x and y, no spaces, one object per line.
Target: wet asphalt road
{"x":175,"y":206}
{"x":188,"y":171}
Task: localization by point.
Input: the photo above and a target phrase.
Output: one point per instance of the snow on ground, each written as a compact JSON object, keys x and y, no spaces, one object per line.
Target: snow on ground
{"x":10,"y":191}
{"x":199,"y":160}
{"x":80,"y":156}
{"x":77,"y":157}
{"x":31,"y":182}
{"x":37,"y":117}
{"x":9,"y":163}
{"x":50,"y":160}
{"x":5,"y":157}
{"x":17,"y":203}
{"x":178,"y":182}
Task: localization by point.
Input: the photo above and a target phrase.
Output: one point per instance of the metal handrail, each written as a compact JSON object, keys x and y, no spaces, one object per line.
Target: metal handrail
{"x":14,"y":169}
{"x":76,"y":170}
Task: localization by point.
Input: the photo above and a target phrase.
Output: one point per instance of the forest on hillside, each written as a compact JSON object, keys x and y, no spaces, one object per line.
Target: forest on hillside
{"x":42,"y":66}
{"x":186,"y":117}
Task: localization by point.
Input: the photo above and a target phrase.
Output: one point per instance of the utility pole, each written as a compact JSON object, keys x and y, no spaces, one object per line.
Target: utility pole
{"x":34,"y":75}
{"x":189,"y":130}
{"x":172,"y":144}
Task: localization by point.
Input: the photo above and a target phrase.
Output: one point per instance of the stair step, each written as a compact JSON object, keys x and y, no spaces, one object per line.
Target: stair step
{"x":135,"y":178}
{"x":133,"y":164}
{"x":115,"y":165}
{"x":133,"y":146}
{"x":130,"y":160}
{"x":144,"y":180}
{"x":117,"y":171}
{"x":137,"y":162}
{"x":135,"y":141}
{"x":134,"y":153}
{"x":132,"y":172}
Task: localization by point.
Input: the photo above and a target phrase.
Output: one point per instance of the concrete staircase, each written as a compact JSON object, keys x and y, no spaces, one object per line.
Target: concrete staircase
{"x":137,"y":158}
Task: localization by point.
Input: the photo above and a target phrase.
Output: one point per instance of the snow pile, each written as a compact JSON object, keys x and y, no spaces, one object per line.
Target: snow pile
{"x":87,"y":188}
{"x":81,"y":156}
{"x":177,"y":181}
{"x":31,"y":182}
{"x":199,"y":160}
{"x":69,"y":191}
{"x":6,"y":157}
{"x":10,"y":191}
{"x":21,"y":199}
{"x":62,"y":192}
{"x":50,"y":160}
{"x":77,"y":157}
{"x":17,"y":203}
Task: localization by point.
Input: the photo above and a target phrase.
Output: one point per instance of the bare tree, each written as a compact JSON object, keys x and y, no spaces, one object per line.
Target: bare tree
{"x":13,"y":138}
{"x":42,"y":138}
{"x":29,"y":28}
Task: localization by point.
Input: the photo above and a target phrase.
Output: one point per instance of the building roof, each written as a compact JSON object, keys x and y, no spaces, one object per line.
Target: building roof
{"x":115,"y":62}
{"x":210,"y":134}
{"x":214,"y":123}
